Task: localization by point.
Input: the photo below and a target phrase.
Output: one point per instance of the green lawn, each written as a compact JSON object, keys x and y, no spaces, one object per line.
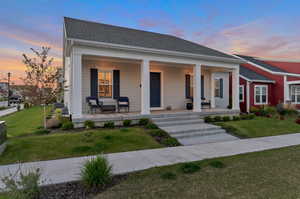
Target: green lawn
{"x":73,"y":144}
{"x":261,"y":126}
{"x":269,"y":174}
{"x":24,"y":122}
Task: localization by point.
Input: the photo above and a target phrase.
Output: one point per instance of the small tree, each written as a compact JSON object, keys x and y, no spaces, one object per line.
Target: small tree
{"x":42,"y":80}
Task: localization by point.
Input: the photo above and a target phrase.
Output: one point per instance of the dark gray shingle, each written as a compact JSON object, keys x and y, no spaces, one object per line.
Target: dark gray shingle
{"x":85,"y":30}
{"x":252,"y":75}
{"x":262,"y":64}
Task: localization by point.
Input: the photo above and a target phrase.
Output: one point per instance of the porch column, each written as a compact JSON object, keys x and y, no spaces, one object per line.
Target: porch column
{"x":248,"y":96}
{"x":212,"y":90}
{"x":285,"y":90}
{"x":197,"y":88}
{"x":235,"y":89}
{"x":76,"y":87}
{"x":145,"y":87}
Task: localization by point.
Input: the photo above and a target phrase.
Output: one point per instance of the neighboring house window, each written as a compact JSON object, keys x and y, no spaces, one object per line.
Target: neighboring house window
{"x":242,"y":93}
{"x":295,"y":94}
{"x":261,"y":94}
{"x":219,"y":88}
{"x":105,"y":84}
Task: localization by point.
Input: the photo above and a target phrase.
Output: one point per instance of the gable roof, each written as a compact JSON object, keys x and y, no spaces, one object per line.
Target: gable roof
{"x":251,"y":75}
{"x":262,"y":64}
{"x":291,"y":67}
{"x":98,"y":32}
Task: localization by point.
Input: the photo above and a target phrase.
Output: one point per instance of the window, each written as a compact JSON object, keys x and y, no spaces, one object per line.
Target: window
{"x":219,"y":88}
{"x":261,"y":94}
{"x":105,"y":84}
{"x":242,"y":93}
{"x":295,"y":94}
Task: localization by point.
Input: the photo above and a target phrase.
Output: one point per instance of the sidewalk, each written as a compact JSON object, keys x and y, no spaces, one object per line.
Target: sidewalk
{"x":64,"y":170}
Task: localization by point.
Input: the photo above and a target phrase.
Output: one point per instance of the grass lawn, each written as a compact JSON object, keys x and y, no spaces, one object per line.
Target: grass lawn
{"x":261,"y":126}
{"x":269,"y":174}
{"x":71,"y":144}
{"x":24,"y":122}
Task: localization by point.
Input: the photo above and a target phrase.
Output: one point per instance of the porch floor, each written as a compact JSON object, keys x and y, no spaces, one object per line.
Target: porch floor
{"x":154,"y":114}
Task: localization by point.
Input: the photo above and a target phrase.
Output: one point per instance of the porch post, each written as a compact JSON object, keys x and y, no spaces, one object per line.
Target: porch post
{"x":76,"y":98}
{"x":212,"y":90}
{"x":145,"y":87}
{"x":235,"y":89}
{"x":248,"y":96}
{"x":286,"y":90}
{"x":197,"y":88}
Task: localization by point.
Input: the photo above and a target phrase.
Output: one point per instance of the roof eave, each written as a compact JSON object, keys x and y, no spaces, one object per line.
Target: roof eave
{"x":257,"y":80}
{"x":151,"y":50}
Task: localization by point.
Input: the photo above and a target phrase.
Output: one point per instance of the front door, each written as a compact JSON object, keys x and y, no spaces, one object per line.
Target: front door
{"x":155,"y":98}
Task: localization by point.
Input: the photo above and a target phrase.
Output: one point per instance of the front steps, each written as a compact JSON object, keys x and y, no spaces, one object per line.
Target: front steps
{"x":191,"y":130}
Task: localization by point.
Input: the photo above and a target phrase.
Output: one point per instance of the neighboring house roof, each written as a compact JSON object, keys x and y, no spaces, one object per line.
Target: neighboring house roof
{"x":291,"y":67}
{"x":98,"y":32}
{"x":262,"y":64}
{"x":251,"y":75}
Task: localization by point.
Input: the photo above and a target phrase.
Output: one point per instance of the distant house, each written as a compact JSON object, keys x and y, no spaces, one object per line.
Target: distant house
{"x":268,"y":82}
{"x":3,"y":89}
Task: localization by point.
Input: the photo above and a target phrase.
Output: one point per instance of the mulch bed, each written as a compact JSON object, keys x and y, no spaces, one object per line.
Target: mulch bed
{"x":75,"y":190}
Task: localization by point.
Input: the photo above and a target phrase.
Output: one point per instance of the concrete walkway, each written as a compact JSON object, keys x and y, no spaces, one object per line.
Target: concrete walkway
{"x":64,"y":170}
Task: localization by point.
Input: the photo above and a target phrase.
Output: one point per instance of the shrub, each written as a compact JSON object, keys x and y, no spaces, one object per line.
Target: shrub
{"x":42,"y":131}
{"x":236,"y":118}
{"x":226,"y":118}
{"x":67,"y":125}
{"x":217,"y":119}
{"x":168,"y":176}
{"x":158,"y":133}
{"x":244,"y":117}
{"x":26,"y":105}
{"x":217,"y":164}
{"x":151,"y":125}
{"x":127,"y":122}
{"x":208,"y":119}
{"x":254,"y":109}
{"x":144,"y":121}
{"x":24,"y":185}
{"x":110,"y":125}
{"x":96,"y":172}
{"x":89,"y":124}
{"x":251,"y":116}
{"x":58,"y":113}
{"x":190,"y":167}
{"x":2,"y":108}
{"x":298,"y":121}
{"x":270,"y":110}
{"x":170,"y":142}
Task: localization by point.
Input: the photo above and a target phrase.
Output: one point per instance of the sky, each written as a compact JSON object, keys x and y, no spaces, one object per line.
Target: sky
{"x":263,"y":28}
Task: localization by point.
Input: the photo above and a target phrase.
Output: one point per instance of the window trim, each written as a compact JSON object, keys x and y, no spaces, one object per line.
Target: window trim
{"x":243,"y":93}
{"x":112,"y":84}
{"x":290,"y":91}
{"x":219,"y":80}
{"x":267,"y":95}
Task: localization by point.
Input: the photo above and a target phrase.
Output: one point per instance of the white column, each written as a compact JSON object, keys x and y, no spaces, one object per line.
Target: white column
{"x":212,"y":90}
{"x":197,"y":88}
{"x":145,"y":87}
{"x":248,"y":96}
{"x":286,"y":90}
{"x":76,"y":98}
{"x":235,"y":89}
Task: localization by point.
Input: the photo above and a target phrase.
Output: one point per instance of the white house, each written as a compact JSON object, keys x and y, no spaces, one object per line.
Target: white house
{"x":155,"y":71}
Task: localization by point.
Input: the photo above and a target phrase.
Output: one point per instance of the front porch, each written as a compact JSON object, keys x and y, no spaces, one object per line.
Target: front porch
{"x":118,"y":118}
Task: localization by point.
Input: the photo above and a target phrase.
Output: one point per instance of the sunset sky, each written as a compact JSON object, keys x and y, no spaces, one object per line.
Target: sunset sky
{"x":265,"y":28}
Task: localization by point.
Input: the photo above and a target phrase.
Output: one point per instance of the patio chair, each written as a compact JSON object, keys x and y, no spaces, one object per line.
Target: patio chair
{"x":204,"y":102}
{"x":93,"y":104}
{"x":123,"y":102}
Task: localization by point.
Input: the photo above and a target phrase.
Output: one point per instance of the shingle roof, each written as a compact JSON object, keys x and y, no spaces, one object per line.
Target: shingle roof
{"x":92,"y":31}
{"x":262,"y":64}
{"x":252,"y":75}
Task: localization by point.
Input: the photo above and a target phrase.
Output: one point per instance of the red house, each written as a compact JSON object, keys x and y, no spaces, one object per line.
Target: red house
{"x":268,"y":82}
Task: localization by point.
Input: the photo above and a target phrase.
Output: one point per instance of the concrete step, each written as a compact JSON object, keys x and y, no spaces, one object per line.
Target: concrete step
{"x":175,"y":118}
{"x":198,"y":133}
{"x":179,"y":122}
{"x":189,"y":128}
{"x":221,"y":137}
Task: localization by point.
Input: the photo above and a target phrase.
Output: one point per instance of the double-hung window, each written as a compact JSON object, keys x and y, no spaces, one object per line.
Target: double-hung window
{"x":261,"y":94}
{"x":219,"y":88}
{"x":241,"y":93}
{"x":105,"y":84}
{"x":295,"y":94}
